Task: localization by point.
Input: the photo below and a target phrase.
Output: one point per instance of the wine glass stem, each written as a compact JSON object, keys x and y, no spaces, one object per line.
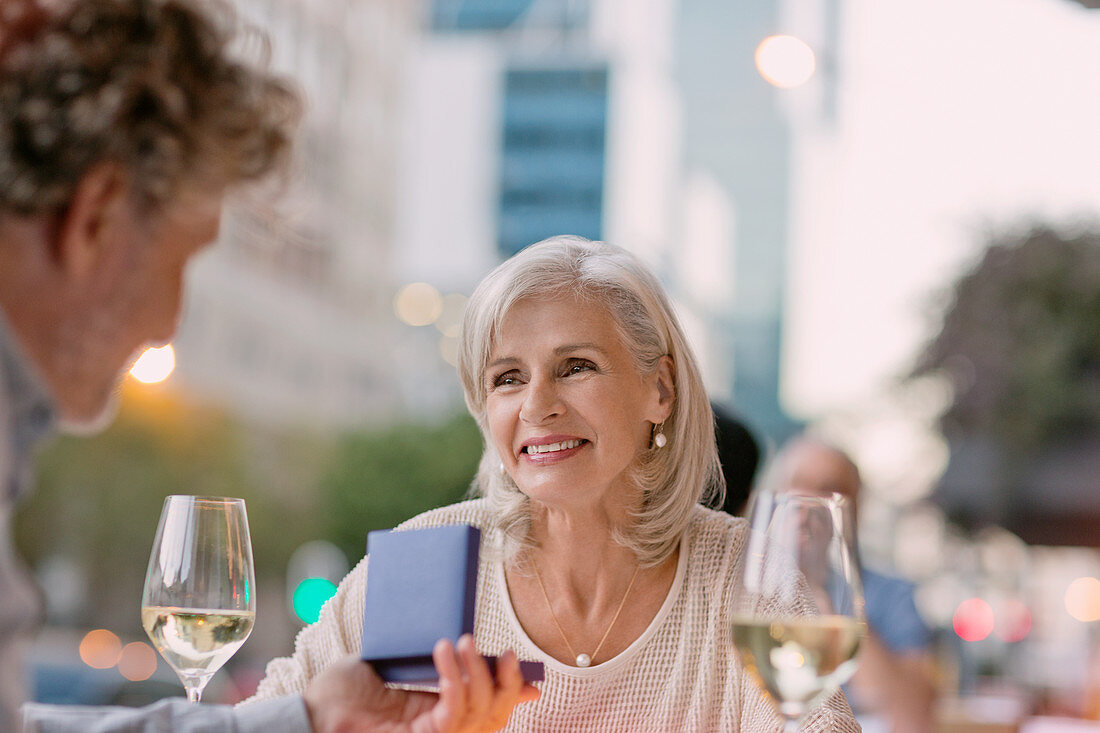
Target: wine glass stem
{"x":194,"y":687}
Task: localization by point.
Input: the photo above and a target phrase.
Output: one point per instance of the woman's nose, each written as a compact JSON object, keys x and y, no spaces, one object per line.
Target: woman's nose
{"x":541,"y":401}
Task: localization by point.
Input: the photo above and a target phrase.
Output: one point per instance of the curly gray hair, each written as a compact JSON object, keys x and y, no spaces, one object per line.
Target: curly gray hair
{"x":149,"y":84}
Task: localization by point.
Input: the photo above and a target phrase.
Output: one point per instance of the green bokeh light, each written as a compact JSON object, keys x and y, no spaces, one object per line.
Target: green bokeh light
{"x":309,"y":596}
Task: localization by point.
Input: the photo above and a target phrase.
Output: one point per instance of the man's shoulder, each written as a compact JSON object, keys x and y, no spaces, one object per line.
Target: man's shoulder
{"x":885,"y":585}
{"x":892,"y":612}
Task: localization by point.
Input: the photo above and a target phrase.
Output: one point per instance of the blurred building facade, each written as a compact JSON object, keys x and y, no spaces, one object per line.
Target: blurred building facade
{"x":444,"y":136}
{"x":645,"y":124}
{"x":649,"y":126}
{"x":527,"y":119}
{"x":289,"y":319}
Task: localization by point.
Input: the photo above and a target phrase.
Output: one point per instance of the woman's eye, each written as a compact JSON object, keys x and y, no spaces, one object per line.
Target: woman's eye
{"x":578,"y":366}
{"x":507,"y":379}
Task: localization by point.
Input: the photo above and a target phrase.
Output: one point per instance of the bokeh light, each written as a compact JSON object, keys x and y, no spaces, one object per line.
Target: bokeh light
{"x":973,"y":620}
{"x":309,"y":596}
{"x":448,"y":349}
{"x":785,"y":61}
{"x":100,"y":649}
{"x":418,"y":304}
{"x":154,"y":365}
{"x":1083,"y":599}
{"x":137,"y":662}
{"x":449,"y":322}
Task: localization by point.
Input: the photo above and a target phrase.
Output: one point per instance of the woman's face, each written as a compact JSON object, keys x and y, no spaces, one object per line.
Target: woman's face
{"x":568,"y":411}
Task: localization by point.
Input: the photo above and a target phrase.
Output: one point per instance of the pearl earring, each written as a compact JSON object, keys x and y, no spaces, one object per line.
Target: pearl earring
{"x":659,"y":438}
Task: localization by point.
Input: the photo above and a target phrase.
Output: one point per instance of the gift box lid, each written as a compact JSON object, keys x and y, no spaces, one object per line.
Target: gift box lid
{"x":421,"y":587}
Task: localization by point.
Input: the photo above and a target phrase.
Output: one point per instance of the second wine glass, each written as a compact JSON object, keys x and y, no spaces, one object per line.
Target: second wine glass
{"x":798,"y":616}
{"x":199,"y":602}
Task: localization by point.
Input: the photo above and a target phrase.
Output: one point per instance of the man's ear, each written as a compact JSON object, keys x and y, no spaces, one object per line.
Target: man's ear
{"x":89,"y":227}
{"x":665,"y":377}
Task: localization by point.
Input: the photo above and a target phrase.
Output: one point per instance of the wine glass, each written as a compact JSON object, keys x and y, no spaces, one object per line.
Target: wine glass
{"x":199,"y":602}
{"x":798,"y":615}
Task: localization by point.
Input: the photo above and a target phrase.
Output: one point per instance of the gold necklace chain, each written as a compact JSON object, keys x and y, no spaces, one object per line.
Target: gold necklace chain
{"x":583,"y":660}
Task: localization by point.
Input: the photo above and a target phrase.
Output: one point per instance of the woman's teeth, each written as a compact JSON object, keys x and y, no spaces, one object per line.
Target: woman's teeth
{"x":553,"y":447}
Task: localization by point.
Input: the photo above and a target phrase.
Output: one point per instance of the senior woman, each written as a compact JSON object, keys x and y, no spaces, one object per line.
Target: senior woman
{"x":596,"y":556}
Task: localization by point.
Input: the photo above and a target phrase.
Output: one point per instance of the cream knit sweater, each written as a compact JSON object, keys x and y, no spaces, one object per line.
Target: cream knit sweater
{"x":681,"y":674}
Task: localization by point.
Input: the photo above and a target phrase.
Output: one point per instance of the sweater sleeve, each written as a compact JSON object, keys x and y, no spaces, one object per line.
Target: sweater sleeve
{"x":336,"y":634}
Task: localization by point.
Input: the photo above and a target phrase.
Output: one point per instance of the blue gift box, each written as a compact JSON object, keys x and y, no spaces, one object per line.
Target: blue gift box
{"x":421,"y":587}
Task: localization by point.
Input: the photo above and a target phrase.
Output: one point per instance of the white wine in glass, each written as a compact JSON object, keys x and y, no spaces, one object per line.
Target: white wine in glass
{"x":199,"y":602}
{"x":798,"y":616}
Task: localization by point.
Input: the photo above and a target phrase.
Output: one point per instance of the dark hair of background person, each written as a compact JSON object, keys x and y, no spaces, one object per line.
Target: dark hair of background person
{"x":739,"y":454}
{"x":146,"y":84}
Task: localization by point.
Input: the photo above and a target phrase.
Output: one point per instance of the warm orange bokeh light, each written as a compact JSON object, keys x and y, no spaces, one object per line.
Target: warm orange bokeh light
{"x":154,"y":365}
{"x":1083,"y":599}
{"x":138,"y":661}
{"x":785,"y":61}
{"x":100,"y":649}
{"x":418,"y":304}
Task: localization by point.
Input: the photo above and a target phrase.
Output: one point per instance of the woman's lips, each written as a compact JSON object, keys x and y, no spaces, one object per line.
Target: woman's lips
{"x":546,"y":453}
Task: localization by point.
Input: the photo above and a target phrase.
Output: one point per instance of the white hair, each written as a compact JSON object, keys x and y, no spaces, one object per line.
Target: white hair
{"x":670,"y":480}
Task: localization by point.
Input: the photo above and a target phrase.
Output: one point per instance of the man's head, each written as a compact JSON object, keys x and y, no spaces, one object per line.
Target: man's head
{"x":122,"y":125}
{"x":811,"y":466}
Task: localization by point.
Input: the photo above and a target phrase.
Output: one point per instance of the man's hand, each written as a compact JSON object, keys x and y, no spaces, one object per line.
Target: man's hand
{"x":350,"y":697}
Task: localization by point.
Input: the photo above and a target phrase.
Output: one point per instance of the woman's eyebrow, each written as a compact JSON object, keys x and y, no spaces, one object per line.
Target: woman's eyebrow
{"x":500,"y":362}
{"x":566,"y":348}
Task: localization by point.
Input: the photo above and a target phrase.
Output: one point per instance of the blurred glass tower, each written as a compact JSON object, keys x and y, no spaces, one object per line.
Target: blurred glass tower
{"x":552,"y":166}
{"x":553,"y":118}
{"x":477,"y":15}
{"x":531,"y":118}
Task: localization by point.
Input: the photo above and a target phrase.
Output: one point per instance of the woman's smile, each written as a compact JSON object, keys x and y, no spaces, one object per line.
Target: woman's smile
{"x":545,"y":451}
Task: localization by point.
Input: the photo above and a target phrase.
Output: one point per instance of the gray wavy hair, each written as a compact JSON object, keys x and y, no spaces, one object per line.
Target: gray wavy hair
{"x":149,"y":84}
{"x":670,"y":480}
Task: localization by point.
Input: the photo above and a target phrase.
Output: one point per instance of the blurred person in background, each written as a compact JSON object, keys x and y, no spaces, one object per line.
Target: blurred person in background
{"x":597,"y":559}
{"x":895,"y":674}
{"x":739,"y":456}
{"x":123,"y":124}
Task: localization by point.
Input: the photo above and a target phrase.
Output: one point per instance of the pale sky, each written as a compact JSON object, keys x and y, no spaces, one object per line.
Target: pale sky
{"x":954,"y":115}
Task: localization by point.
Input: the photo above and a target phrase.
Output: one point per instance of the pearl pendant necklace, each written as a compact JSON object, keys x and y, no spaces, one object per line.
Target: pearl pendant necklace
{"x":584,"y":660}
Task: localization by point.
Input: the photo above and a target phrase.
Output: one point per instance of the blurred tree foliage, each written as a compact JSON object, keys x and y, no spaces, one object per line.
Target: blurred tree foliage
{"x":98,"y":498}
{"x":380,"y":478}
{"x":1020,"y":342}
